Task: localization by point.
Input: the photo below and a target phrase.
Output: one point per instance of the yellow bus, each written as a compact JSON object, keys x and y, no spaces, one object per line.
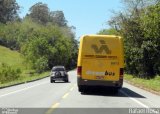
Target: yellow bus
{"x":100,"y":62}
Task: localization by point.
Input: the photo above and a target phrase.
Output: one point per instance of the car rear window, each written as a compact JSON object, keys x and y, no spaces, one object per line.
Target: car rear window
{"x":58,"y":69}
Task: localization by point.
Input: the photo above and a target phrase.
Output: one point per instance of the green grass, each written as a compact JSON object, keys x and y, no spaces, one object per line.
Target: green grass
{"x":26,"y":79}
{"x":16,"y":60}
{"x":12,"y":58}
{"x":152,"y":84}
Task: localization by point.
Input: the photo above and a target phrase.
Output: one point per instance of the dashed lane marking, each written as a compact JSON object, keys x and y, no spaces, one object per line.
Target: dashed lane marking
{"x":53,"y":107}
{"x":65,"y":95}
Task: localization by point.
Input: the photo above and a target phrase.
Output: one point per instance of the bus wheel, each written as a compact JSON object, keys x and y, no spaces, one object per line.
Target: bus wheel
{"x":115,"y":90}
{"x":81,"y":89}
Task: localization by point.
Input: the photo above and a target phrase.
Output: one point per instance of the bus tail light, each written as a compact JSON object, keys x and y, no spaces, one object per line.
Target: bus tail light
{"x":121,"y":73}
{"x":79,"y":70}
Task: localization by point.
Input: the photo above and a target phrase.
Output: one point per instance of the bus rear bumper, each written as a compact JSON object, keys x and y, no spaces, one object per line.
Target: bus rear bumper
{"x":114,"y":84}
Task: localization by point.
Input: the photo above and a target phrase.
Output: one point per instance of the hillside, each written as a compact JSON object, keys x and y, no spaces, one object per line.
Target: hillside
{"x":12,"y":58}
{"x":15,"y":60}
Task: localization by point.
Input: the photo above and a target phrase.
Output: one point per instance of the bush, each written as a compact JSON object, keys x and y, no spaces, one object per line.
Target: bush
{"x":41,"y":65}
{"x":7,"y":73}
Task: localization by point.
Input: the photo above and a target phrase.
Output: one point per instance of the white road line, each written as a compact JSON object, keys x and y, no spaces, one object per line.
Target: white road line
{"x":140,"y":103}
{"x":135,"y":100}
{"x":13,"y":92}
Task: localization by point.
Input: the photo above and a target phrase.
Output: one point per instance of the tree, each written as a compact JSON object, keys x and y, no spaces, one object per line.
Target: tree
{"x":139,"y":26}
{"x":8,"y":10}
{"x":44,"y":42}
{"x":48,"y":45}
{"x":39,"y":13}
{"x":57,"y":17}
{"x":150,"y":22}
{"x":110,"y":31}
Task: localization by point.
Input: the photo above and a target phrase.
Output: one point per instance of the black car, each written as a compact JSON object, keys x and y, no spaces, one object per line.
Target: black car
{"x":59,"y":73}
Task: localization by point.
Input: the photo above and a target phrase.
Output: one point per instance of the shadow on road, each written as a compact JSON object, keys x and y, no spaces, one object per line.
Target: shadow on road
{"x":124,"y":92}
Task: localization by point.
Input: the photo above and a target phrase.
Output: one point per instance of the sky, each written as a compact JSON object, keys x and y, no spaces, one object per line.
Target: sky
{"x":88,"y":16}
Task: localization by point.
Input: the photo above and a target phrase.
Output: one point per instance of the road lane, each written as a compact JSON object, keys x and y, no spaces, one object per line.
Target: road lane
{"x":43,"y":94}
{"x":97,"y":100}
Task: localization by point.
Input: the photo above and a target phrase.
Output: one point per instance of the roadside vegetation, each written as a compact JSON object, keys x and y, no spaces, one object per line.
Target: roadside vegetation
{"x":14,"y":69}
{"x":139,"y":25}
{"x":24,"y":78}
{"x":150,"y":84}
{"x":38,"y":41}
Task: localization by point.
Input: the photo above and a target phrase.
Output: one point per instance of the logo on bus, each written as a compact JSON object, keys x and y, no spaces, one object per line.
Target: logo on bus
{"x":102,"y":48}
{"x":106,"y":73}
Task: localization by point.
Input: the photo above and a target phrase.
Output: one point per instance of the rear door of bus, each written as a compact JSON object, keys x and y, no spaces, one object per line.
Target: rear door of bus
{"x":101,"y":58}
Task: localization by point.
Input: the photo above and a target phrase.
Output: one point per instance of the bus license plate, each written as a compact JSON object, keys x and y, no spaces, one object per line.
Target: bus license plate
{"x":100,"y":77}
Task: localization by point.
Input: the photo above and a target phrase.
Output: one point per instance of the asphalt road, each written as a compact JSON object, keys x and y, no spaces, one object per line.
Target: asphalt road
{"x":44,"y":97}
